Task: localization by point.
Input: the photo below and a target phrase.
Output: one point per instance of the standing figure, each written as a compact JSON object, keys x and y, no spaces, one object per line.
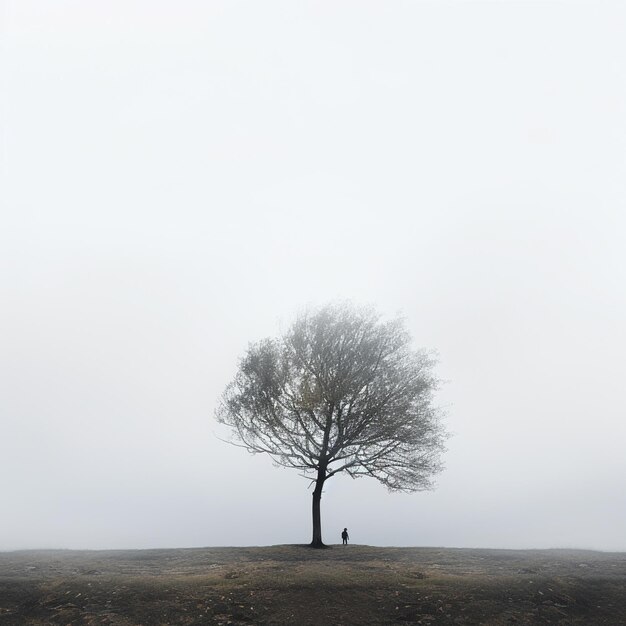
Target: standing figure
{"x":344,"y":536}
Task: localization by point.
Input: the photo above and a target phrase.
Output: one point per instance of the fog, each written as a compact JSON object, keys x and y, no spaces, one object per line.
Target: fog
{"x":181,"y":178}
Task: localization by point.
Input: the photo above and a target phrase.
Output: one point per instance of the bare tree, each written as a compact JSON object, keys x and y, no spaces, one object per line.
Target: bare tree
{"x":340,"y":391}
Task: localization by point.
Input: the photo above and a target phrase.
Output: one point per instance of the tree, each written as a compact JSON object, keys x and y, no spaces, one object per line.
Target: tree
{"x":340,"y":391}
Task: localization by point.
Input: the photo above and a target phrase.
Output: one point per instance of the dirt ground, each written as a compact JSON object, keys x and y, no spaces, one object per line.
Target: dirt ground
{"x":297,"y":585}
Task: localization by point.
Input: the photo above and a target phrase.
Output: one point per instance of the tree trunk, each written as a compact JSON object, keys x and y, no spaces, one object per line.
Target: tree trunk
{"x":317,"y":518}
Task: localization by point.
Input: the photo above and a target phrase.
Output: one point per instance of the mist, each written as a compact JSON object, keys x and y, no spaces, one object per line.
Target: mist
{"x":180,"y":179}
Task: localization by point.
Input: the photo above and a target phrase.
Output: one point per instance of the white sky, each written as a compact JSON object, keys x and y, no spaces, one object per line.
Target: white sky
{"x":178,"y":178}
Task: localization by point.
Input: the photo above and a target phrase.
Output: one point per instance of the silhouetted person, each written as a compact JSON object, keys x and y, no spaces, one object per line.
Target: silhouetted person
{"x":344,"y":536}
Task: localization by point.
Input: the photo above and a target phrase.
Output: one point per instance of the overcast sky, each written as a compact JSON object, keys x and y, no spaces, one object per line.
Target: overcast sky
{"x":180,"y":178}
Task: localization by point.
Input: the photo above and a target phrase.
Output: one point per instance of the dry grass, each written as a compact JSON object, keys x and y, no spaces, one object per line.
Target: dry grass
{"x":297,"y":585}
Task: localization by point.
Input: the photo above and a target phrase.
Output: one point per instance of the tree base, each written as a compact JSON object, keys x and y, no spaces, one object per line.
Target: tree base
{"x":317,"y":544}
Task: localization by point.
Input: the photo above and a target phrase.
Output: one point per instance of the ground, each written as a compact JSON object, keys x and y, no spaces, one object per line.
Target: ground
{"x":298,"y":585}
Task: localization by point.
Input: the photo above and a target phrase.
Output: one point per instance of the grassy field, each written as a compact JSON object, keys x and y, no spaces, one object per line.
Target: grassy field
{"x":297,"y":585}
